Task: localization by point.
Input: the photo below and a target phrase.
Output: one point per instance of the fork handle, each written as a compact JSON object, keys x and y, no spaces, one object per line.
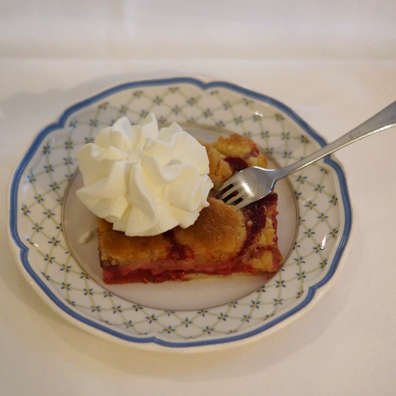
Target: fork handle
{"x":381,"y":121}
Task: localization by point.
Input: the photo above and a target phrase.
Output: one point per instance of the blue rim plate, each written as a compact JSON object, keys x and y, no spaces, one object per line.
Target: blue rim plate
{"x":40,"y":181}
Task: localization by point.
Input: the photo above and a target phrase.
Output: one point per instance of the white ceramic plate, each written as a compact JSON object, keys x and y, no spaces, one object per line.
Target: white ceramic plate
{"x":46,"y":221}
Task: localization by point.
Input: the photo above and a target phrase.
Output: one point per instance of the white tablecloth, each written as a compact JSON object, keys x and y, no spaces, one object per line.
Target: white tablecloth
{"x":346,"y":344}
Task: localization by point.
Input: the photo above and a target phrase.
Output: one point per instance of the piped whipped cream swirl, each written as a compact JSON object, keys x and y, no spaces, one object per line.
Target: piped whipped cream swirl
{"x":143,"y":179}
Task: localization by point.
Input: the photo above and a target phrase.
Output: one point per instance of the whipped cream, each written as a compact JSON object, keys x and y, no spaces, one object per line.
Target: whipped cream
{"x":143,"y":179}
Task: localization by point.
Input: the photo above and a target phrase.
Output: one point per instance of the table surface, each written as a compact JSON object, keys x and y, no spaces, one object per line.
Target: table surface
{"x":345,"y":345}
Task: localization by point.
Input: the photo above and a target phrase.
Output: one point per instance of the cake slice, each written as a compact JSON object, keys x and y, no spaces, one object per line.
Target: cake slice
{"x":223,"y":241}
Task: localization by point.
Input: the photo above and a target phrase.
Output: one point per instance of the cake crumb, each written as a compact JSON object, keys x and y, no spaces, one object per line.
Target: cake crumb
{"x":86,"y":237}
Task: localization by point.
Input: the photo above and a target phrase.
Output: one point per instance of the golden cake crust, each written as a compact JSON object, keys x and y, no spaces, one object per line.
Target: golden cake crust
{"x":219,"y":169}
{"x":235,"y":146}
{"x":116,"y":247}
{"x":218,"y":233}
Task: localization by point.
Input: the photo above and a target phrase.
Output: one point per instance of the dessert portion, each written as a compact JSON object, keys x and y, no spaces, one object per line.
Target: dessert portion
{"x":222,"y":240}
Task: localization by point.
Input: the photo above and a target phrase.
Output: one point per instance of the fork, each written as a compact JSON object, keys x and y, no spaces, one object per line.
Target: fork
{"x":253,"y":183}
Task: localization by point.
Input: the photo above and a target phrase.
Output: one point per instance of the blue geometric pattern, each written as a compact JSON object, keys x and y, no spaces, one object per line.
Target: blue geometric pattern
{"x":40,"y":181}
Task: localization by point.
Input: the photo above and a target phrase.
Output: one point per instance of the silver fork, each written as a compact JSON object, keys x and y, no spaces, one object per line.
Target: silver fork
{"x":251,"y":184}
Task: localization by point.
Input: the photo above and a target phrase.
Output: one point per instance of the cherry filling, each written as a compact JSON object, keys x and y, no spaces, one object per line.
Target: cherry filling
{"x":236,"y":163}
{"x":114,"y":275}
{"x":177,"y":250}
{"x":256,"y":216}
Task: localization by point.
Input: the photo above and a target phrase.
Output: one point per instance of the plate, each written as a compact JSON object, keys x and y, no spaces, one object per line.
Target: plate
{"x":47,"y":221}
